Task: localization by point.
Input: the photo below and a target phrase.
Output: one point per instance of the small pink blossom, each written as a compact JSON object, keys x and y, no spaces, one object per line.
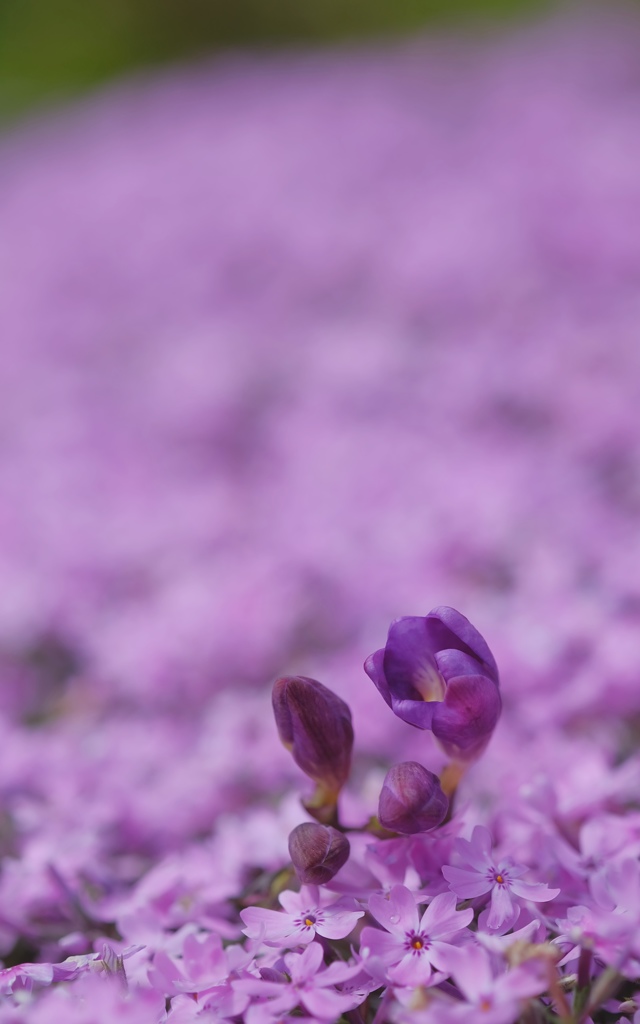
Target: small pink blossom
{"x":308,"y":984}
{"x":481,"y":874}
{"x":487,"y":998}
{"x":412,"y":946}
{"x":306,"y":913}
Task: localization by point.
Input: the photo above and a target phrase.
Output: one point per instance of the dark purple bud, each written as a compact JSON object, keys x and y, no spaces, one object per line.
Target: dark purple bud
{"x":411,"y":799}
{"x":436,"y":672}
{"x":317,"y":852}
{"x":315,"y":725}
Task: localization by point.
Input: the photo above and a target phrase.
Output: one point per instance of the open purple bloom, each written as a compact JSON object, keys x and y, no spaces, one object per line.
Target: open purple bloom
{"x":412,"y":946}
{"x":481,"y":874}
{"x":436,"y":672}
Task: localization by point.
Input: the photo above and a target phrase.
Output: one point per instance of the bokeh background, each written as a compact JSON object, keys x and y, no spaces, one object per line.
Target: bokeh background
{"x":310,"y":316}
{"x":49,"y":51}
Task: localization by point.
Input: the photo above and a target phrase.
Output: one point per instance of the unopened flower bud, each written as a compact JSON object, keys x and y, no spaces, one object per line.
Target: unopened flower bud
{"x":411,"y":799}
{"x":317,"y":852}
{"x":315,"y":725}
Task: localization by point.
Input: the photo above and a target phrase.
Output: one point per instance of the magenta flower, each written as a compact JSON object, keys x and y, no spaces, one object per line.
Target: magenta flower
{"x":436,"y":672}
{"x":305,"y":913}
{"x":307,"y":985}
{"x":487,"y":999}
{"x":481,"y":874}
{"x":412,"y":946}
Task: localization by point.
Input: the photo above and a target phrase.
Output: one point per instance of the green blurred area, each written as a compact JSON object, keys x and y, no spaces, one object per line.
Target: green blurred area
{"x":51,"y":49}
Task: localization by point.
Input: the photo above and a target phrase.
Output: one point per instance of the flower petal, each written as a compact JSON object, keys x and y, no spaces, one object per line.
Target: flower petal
{"x":464,"y":721}
{"x":449,"y":628}
{"x":501,"y":906}
{"x":466,"y":884}
{"x":409,"y":664}
{"x":399,"y":913}
{"x":537,"y":892}
{"x":441,"y":917}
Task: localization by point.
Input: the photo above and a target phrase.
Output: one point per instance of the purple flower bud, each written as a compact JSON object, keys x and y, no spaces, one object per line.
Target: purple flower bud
{"x":315,"y":725}
{"x":411,"y":799}
{"x":317,"y":852}
{"x":436,"y":672}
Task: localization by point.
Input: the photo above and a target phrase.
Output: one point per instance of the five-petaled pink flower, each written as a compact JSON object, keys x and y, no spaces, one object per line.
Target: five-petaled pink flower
{"x":485,"y":999}
{"x":306,"y":912}
{"x":304,"y":984}
{"x":481,"y":874}
{"x":411,"y":947}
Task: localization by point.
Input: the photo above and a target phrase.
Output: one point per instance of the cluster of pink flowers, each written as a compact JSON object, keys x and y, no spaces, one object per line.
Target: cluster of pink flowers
{"x":292,"y":346}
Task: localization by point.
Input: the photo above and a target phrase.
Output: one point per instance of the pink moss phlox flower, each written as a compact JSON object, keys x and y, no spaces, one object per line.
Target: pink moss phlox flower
{"x":98,"y":998}
{"x":611,"y":924}
{"x":534,"y":931}
{"x":487,"y":998}
{"x":204,"y":966}
{"x":602,"y":839}
{"x":29,"y":977}
{"x":437,"y":672}
{"x":412,"y":945}
{"x":308,"y":984}
{"x":25,"y":977}
{"x":481,"y":874}
{"x":376,"y":866}
{"x":306,"y":912}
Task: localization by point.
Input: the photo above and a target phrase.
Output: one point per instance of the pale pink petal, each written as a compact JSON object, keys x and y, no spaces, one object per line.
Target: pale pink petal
{"x":471,"y":970}
{"x":501,"y":906}
{"x":441,"y":956}
{"x":478,"y":851}
{"x":413,"y":970}
{"x":399,"y":913}
{"x":338,"y":972}
{"x":441,"y":917}
{"x":303,"y":966}
{"x":374,"y":942}
{"x":271,"y":925}
{"x":294,"y":902}
{"x":327,"y":1004}
{"x":538,"y":892}
{"x":523,"y":982}
{"x":466,"y":884}
{"x":338,"y":926}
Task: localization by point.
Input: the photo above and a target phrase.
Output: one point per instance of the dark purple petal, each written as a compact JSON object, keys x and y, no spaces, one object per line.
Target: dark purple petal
{"x":315,"y":725}
{"x":411,"y":799}
{"x":424,"y":658}
{"x":415,"y":712}
{"x":464,"y":721}
{"x":448,"y":628}
{"x":452,"y":663}
{"x":374,"y":667}
{"x":409,"y":664}
{"x":317,"y":852}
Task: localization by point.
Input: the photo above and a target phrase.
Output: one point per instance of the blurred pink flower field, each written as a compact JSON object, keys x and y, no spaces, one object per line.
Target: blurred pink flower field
{"x":292,"y":346}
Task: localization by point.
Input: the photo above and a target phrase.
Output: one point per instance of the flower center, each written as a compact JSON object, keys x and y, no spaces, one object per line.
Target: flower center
{"x":500,"y":879}
{"x":428,"y":682}
{"x":485,"y":1003}
{"x":309,"y":920}
{"x":417,"y":941}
